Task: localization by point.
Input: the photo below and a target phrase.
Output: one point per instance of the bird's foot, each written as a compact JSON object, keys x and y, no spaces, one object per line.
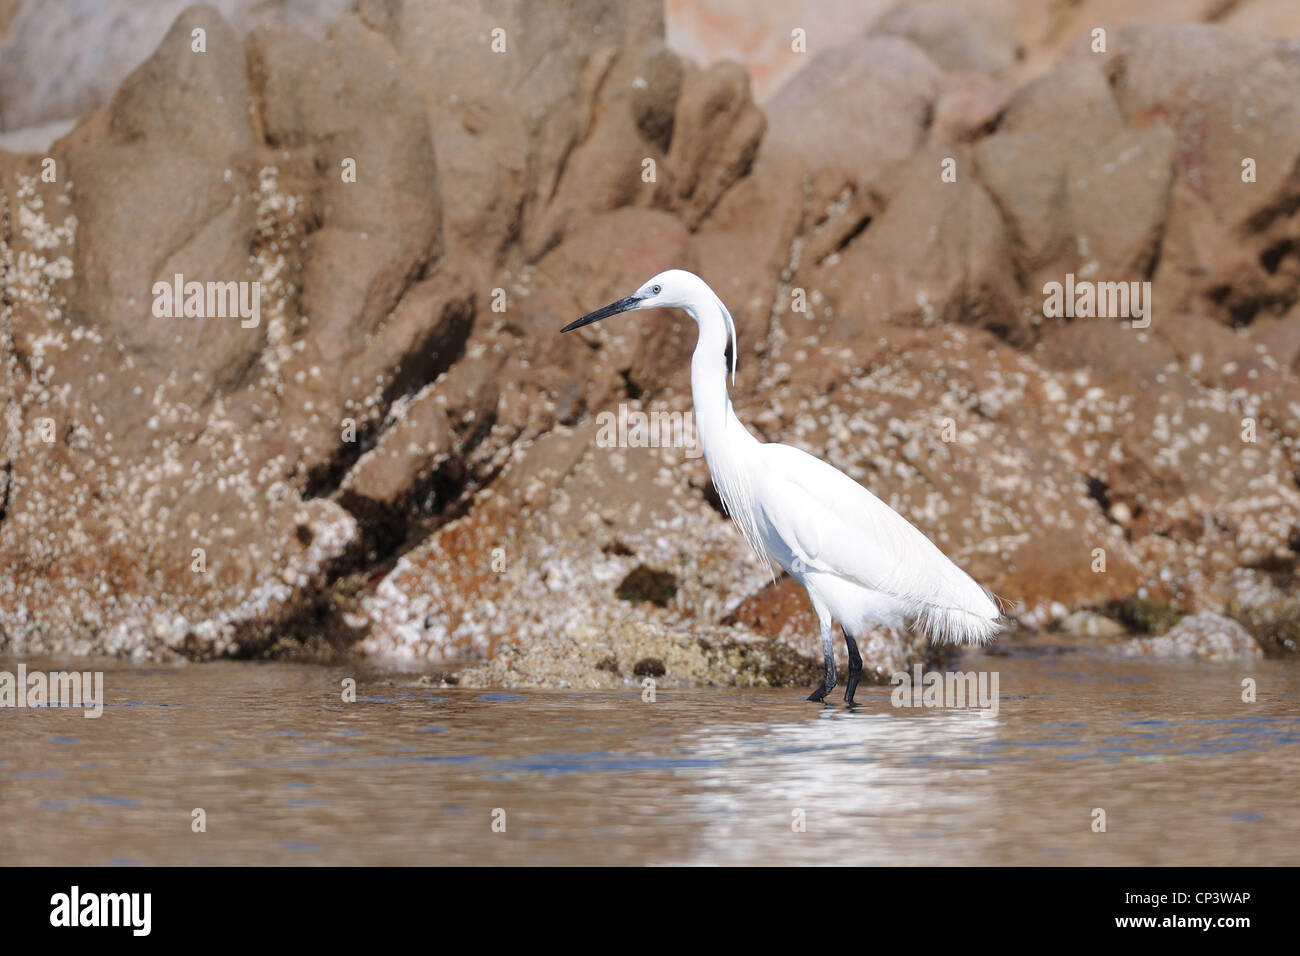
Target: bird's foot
{"x":824,"y":688}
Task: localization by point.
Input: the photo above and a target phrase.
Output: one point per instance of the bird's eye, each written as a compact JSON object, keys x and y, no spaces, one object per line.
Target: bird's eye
{"x":656,"y":289}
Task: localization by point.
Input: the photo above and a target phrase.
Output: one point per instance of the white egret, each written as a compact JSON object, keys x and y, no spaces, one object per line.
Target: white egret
{"x":861,"y":562}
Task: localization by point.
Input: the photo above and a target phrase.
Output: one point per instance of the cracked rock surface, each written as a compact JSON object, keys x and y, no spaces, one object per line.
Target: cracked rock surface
{"x":402,"y":458}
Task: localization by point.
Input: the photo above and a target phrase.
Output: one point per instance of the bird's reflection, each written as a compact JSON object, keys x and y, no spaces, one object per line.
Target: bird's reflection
{"x":879,"y":784}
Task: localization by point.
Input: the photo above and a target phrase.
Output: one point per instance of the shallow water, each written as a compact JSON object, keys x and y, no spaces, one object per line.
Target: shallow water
{"x":288,"y":773}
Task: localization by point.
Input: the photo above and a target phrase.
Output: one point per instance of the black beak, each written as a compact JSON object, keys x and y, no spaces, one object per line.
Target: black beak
{"x":614,"y":308}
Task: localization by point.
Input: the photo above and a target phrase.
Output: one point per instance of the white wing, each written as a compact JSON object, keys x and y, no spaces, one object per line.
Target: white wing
{"x":836,"y":526}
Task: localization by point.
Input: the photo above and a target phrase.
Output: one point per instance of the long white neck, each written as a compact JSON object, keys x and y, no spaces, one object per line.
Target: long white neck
{"x":719,"y":429}
{"x":728,"y":446}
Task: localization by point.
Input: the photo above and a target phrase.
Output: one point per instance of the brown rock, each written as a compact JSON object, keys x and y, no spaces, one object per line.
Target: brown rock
{"x":955,"y":37}
{"x":195,"y":102}
{"x":62,"y":61}
{"x":1083,"y":196}
{"x":938,"y":252}
{"x":851,"y":112}
{"x":968,"y":106}
{"x":419,"y":456}
{"x":655,"y":90}
{"x":406,"y":456}
{"x":349,"y":101}
{"x":1073,"y":104}
{"x":407,"y":436}
{"x":506,"y":123}
{"x":1227,"y":98}
{"x":132,"y":234}
{"x":715,"y":137}
{"x":1210,"y":637}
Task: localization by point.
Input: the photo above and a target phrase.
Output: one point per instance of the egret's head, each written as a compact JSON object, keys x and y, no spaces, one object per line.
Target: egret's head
{"x":674,"y":289}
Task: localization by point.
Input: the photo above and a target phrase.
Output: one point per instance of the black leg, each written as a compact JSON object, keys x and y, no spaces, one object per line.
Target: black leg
{"x":828,"y":679}
{"x":855,"y":668}
{"x":825,"y":687}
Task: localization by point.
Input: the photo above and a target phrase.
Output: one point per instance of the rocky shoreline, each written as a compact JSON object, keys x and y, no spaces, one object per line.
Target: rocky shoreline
{"x":402,"y":458}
